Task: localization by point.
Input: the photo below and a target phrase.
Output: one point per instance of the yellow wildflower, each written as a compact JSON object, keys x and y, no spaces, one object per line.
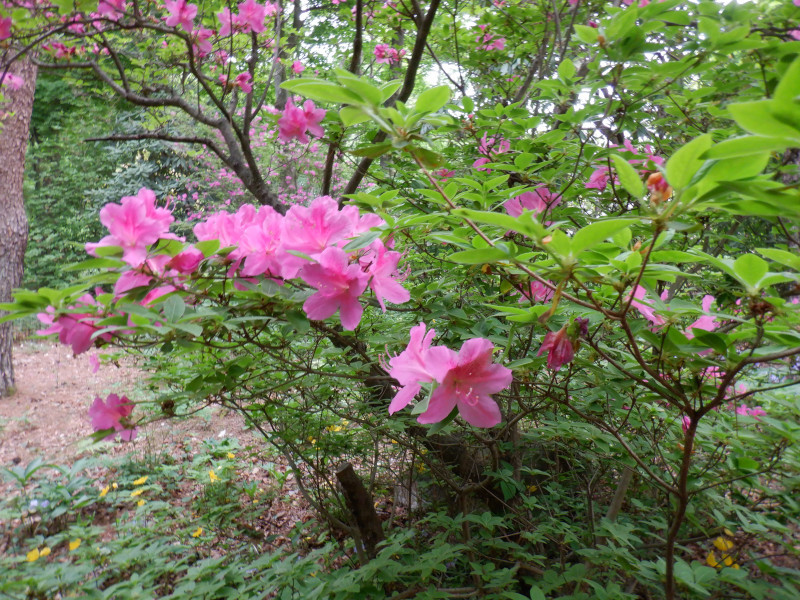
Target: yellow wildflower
{"x":141,"y":502}
{"x":114,"y":485}
{"x":722,"y":544}
{"x":104,"y":491}
{"x":32,"y":555}
{"x":198,"y":532}
{"x":137,"y":492}
{"x":74,"y":544}
{"x":532,"y":488}
{"x":140,"y":481}
{"x":212,"y":476}
{"x":44,"y":552}
{"x":231,"y":455}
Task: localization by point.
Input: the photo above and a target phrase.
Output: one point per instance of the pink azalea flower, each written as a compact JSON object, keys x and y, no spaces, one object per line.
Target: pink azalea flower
{"x":186,"y":261}
{"x":381,"y":54}
{"x":312,"y":229}
{"x":73,"y":329}
{"x":559,"y":348}
{"x":706,"y":322}
{"x":298,"y":67}
{"x":467,"y":380}
{"x":478,"y":165}
{"x":537,"y":292}
{"x":181,"y":14}
{"x":411,"y":367}
{"x":134,"y":224}
{"x":754,"y":412}
{"x":243,"y":81}
{"x":295,"y":121}
{"x":12,"y":81}
{"x":94,"y":362}
{"x":261,"y":246}
{"x":598,"y":180}
{"x":251,"y":16}
{"x":537,"y":201}
{"x":202,"y":46}
{"x":382,"y":268}
{"x":338,"y":284}
{"x":686,"y":422}
{"x":445,"y":173}
{"x":113,"y":414}
{"x":5,"y":28}
{"x":225,"y":22}
{"x":497,"y":44}
{"x":640,"y":303}
{"x":112,"y":9}
{"x":795,"y":34}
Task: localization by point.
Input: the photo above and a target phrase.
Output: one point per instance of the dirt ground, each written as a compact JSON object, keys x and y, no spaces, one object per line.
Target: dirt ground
{"x":48,"y":416}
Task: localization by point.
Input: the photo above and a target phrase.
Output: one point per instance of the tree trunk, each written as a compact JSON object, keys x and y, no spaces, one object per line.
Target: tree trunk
{"x":15,"y":118}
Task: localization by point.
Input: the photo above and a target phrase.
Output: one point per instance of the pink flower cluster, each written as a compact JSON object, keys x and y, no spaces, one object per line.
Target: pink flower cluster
{"x":644,"y":306}
{"x":74,"y":328}
{"x":250,"y":18}
{"x":464,"y":379}
{"x":111,"y":9}
{"x":598,"y":180}
{"x":12,"y":81}
{"x":487,"y":41}
{"x":490,"y":148}
{"x":243,"y":81}
{"x":295,"y":122}
{"x":385,"y":54}
{"x":538,"y":201}
{"x":267,"y":244}
{"x":113,"y":414}
{"x":754,"y":412}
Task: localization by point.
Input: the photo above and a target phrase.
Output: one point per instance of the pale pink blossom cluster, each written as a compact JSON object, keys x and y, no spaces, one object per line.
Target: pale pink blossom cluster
{"x":113,"y":413}
{"x":640,"y":302}
{"x":243,"y":81}
{"x":296,"y":122}
{"x":388,"y":55}
{"x":11,"y":81}
{"x":464,"y":380}
{"x":111,"y":9}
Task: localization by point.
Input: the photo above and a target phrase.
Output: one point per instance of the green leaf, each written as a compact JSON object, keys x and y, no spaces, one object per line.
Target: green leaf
{"x":373,"y":150}
{"x":362,"y":241}
{"x":586,"y":34}
{"x":787,"y":259}
{"x":750,"y":269}
{"x":566,"y":69}
{"x":478,"y":257}
{"x":359,"y":86}
{"x":684,"y":163}
{"x":322,"y":91}
{"x":207,"y":247}
{"x":428,"y":158}
{"x":757,"y":117}
{"x":352,"y":115}
{"x":628,"y":176}
{"x":433,"y":99}
{"x":174,"y":307}
{"x":597,"y":232}
{"x":747,"y":146}
{"x":788,"y":90}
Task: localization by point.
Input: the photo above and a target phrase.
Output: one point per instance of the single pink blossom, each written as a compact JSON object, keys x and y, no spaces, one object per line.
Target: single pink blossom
{"x":686,"y":422}
{"x":706,"y":322}
{"x":12,"y":81}
{"x":261,"y":246}
{"x":5,"y":28}
{"x":202,"y":46}
{"x":467,"y":380}
{"x":478,"y":165}
{"x":381,"y":265}
{"x":186,"y":261}
{"x":225,"y":22}
{"x":251,"y":16}
{"x":536,"y":292}
{"x":181,"y":14}
{"x":598,"y":180}
{"x":642,"y":304}
{"x":559,"y":348}
{"x":243,"y":81}
{"x":338,"y":284}
{"x":297,"y":67}
{"x":795,"y":34}
{"x":295,"y":121}
{"x":94,"y":362}
{"x":412,"y":366}
{"x":536,"y":201}
{"x":445,"y":173}
{"x":134,"y":224}
{"x":113,"y":414}
{"x":73,"y":329}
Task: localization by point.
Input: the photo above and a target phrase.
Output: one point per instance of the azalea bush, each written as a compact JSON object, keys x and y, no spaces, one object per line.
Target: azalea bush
{"x":564,"y":316}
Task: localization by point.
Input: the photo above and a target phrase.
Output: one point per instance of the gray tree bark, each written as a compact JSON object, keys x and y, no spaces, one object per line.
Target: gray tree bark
{"x":15,"y":118}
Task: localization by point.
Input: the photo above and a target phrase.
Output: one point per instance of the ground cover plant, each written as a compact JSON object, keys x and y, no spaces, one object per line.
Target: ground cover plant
{"x":526,"y":272}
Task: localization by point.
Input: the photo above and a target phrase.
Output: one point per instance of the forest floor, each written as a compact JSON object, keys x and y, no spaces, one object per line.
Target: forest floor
{"x":48,"y":418}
